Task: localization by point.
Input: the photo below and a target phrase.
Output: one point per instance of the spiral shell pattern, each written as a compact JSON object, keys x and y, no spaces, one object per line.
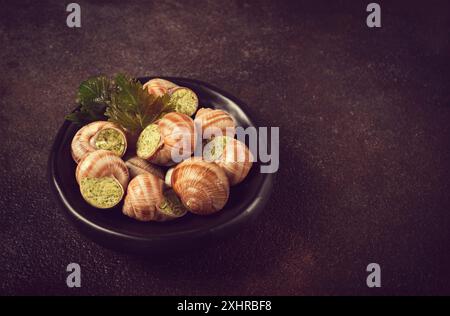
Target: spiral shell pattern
{"x":144,"y":195}
{"x":84,"y":140}
{"x":215,"y":121}
{"x":202,"y":186}
{"x":103,"y":163}
{"x":176,"y":128}
{"x":137,"y":166}
{"x":178,"y":135}
{"x":158,"y":87}
{"x":146,"y":201}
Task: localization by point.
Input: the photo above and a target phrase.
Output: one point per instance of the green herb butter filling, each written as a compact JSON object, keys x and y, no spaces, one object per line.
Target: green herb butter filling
{"x":112,"y":140}
{"x":215,"y":148}
{"x":172,"y":205}
{"x":148,"y":142}
{"x":184,"y":101}
{"x":101,"y":192}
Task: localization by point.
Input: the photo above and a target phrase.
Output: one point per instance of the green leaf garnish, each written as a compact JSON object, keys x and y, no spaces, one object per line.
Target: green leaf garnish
{"x":131,"y":106}
{"x":121,"y":100}
{"x":96,"y":90}
{"x":94,"y":95}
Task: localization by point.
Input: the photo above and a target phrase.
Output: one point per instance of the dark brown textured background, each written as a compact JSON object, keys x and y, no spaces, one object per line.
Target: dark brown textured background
{"x":364,"y":116}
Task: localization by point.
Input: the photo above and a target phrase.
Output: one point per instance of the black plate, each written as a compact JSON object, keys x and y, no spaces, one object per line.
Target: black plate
{"x":113,"y":229}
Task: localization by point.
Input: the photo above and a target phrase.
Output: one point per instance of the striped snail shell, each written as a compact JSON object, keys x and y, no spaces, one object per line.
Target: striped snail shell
{"x":178,"y":138}
{"x":103,"y":178}
{"x":146,"y":201}
{"x":98,"y":135}
{"x":177,"y":128}
{"x":103,"y":163}
{"x":163,"y":157}
{"x":215,"y":122}
{"x":137,"y":166}
{"x":158,"y":87}
{"x":202,"y":186}
{"x":232,"y":155}
{"x":181,"y":99}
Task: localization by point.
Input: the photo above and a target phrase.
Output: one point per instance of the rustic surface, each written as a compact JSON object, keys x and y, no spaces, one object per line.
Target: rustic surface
{"x":364,"y":117}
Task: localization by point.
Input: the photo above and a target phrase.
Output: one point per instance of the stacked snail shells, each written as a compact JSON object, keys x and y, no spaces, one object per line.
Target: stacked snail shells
{"x":162,"y":180}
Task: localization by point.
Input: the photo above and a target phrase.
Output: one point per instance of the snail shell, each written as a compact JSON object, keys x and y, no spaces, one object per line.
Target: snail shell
{"x":163,"y":157}
{"x":137,"y":166}
{"x":217,"y":122}
{"x":231,"y":155}
{"x":202,"y":186}
{"x":181,"y":99}
{"x":103,"y":163}
{"x":158,"y":87}
{"x":178,"y":136}
{"x":146,"y":201}
{"x":98,"y":135}
{"x":176,"y":128}
{"x":102,"y":177}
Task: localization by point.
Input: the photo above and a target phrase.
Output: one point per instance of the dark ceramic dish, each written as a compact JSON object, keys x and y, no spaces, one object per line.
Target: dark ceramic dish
{"x":113,"y":229}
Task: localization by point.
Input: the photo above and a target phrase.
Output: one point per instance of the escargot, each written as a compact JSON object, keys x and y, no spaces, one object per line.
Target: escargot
{"x":178,"y":133}
{"x":202,"y":186}
{"x":181,"y":99}
{"x":137,"y":166}
{"x":146,"y":200}
{"x":173,"y":135}
{"x":103,"y":178}
{"x":232,"y":155}
{"x":215,"y":122}
{"x":98,"y":135}
{"x":177,"y":130}
{"x":158,"y":87}
{"x":149,"y":141}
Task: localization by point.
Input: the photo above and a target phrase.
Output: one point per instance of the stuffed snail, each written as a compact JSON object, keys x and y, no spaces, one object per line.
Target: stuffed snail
{"x":180,"y":99}
{"x":215,"y":122}
{"x":173,"y":134}
{"x":146,"y":200}
{"x":158,"y":87}
{"x":98,"y":135}
{"x":149,"y":141}
{"x":137,"y":166}
{"x":202,"y":186}
{"x":183,"y":100}
{"x":103,"y":178}
{"x":231,"y":155}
